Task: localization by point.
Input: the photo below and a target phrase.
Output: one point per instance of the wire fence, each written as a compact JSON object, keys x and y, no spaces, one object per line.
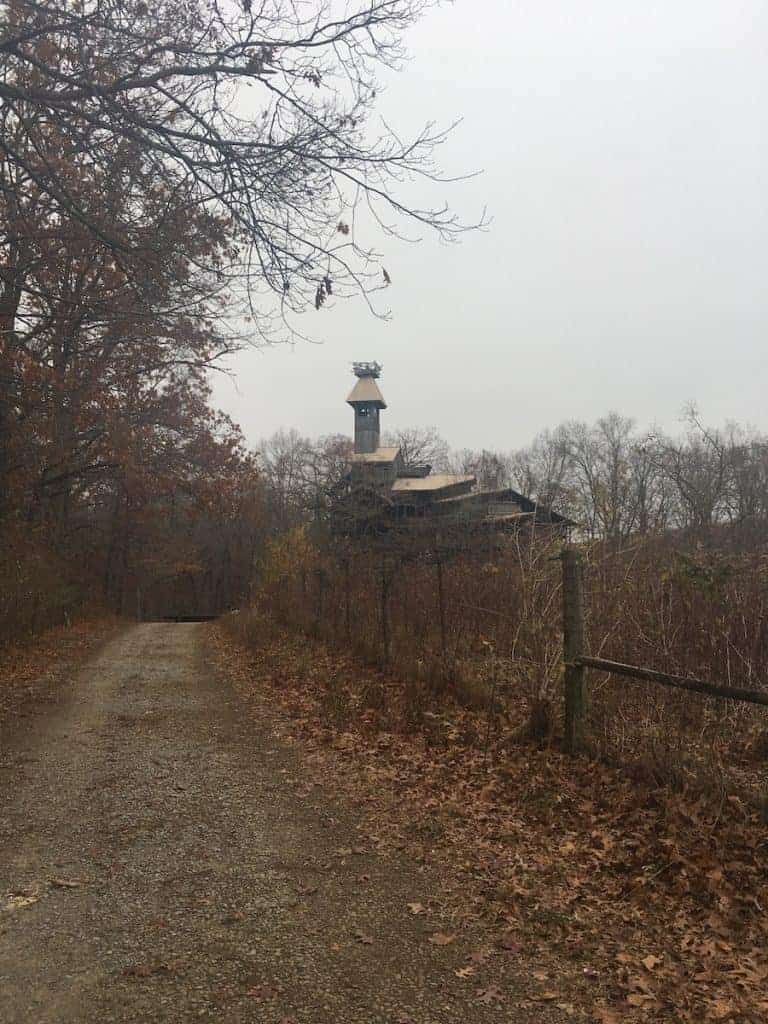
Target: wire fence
{"x":462,"y":617}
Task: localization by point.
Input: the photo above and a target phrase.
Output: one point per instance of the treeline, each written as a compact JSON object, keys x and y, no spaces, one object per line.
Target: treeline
{"x":616,"y":480}
{"x":613,"y":479}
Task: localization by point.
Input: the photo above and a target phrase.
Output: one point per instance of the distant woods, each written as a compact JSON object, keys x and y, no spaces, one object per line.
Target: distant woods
{"x":612,"y":478}
{"x":616,"y":480}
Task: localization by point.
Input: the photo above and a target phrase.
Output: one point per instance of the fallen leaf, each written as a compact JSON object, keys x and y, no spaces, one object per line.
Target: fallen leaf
{"x":365,"y":940}
{"x":147,"y":969}
{"x":464,"y":972}
{"x":510,"y":944}
{"x":649,"y":962}
{"x":605,"y":1016}
{"x":640,"y":999}
{"x":489,"y":995}
{"x":416,"y":908}
{"x":18,"y":898}
{"x":442,"y":939}
{"x":263,"y":992}
{"x":139,"y":971}
{"x":66,"y":883}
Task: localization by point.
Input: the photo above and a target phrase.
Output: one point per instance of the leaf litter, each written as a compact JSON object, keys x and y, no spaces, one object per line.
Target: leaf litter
{"x":637,"y":902}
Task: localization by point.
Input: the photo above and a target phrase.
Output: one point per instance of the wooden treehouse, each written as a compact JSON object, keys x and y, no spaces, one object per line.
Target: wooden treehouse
{"x":381,"y":493}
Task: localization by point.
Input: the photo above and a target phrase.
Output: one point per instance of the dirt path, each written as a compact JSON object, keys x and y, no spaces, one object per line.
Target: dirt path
{"x":156,"y":866}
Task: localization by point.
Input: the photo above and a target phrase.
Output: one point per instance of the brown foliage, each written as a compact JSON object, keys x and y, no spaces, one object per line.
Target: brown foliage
{"x":480,"y":624}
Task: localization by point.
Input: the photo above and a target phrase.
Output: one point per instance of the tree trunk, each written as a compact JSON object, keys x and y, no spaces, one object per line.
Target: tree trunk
{"x":7,"y":321}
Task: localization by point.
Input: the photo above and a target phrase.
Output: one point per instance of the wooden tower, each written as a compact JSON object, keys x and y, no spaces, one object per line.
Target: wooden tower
{"x":367,"y":401}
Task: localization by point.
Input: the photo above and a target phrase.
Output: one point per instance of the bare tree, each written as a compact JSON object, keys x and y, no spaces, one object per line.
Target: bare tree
{"x":543,"y":471}
{"x":325,"y":467}
{"x":492,"y":469}
{"x":420,"y":446}
{"x":698,"y":469}
{"x":259,"y":112}
{"x":651,"y":492}
{"x":282,"y":461}
{"x":747,"y":454}
{"x":600,"y":459}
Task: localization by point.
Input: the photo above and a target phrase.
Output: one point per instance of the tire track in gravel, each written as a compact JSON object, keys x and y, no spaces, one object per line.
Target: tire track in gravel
{"x":155,"y":866}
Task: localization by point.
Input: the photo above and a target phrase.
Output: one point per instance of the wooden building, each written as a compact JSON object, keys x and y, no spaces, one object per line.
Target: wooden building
{"x":380,"y":491}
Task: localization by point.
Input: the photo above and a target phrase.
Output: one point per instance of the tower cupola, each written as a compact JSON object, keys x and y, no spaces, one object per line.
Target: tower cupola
{"x":366,"y":399}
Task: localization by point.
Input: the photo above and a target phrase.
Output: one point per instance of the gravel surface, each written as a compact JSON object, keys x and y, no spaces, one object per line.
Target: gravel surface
{"x":157,"y":865}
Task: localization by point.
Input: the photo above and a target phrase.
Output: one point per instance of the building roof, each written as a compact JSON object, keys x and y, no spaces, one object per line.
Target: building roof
{"x":366,"y":390}
{"x":528,"y":505}
{"x":379,"y":456}
{"x":434,"y":482}
{"x":480,"y":497}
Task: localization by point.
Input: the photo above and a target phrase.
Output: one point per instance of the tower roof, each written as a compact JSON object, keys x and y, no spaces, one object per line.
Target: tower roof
{"x":366,"y":390}
{"x":384,"y":456}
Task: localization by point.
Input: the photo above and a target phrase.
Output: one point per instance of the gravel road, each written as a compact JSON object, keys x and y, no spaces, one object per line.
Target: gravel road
{"x":156,"y":865}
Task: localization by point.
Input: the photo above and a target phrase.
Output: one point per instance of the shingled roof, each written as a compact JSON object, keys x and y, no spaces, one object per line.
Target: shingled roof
{"x":366,"y":390}
{"x":434,"y":482}
{"x":383,"y":455}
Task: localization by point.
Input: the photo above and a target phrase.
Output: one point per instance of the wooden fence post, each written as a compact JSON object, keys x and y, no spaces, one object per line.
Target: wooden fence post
{"x":385,"y":584}
{"x":441,"y":606}
{"x":573,"y":648}
{"x":319,"y":605}
{"x":347,"y":601}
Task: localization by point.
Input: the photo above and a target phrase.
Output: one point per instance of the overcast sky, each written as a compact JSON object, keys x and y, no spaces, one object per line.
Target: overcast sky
{"x":625,"y":157}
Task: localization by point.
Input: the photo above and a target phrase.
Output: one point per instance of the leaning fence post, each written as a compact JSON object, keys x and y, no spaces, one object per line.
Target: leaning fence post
{"x":441,"y":606}
{"x":319,"y":605}
{"x":347,"y":601}
{"x":385,"y":583}
{"x":573,"y":648}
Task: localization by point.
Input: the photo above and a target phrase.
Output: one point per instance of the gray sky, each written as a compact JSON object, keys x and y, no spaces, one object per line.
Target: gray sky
{"x":625,"y":157}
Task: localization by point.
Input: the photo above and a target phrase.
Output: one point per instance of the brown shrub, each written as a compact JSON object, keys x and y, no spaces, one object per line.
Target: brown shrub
{"x":481,"y":627}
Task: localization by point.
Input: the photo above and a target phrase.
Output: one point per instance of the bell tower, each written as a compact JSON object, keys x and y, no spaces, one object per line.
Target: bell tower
{"x":366,"y":399}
